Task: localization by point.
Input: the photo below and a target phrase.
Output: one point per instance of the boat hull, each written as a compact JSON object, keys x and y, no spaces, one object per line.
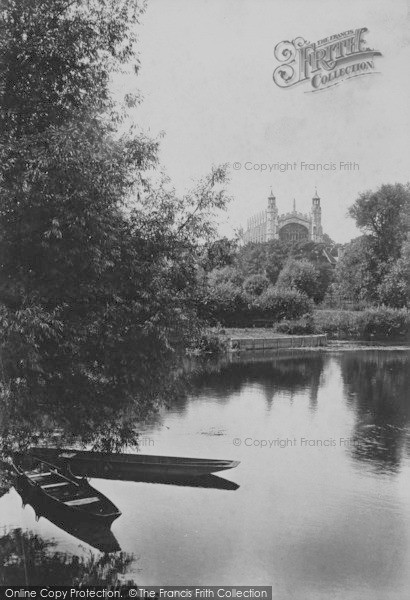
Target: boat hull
{"x":126,"y":466}
{"x":38,"y":495}
{"x":96,"y":534}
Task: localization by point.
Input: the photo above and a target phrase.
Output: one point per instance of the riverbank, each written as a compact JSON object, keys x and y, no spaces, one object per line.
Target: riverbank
{"x":227,"y":340}
{"x":238,"y":343}
{"x":373,"y":323}
{"x":379,"y":323}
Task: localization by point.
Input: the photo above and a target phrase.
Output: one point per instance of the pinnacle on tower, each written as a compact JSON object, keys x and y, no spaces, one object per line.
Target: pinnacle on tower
{"x":294,"y":205}
{"x":271,"y":201}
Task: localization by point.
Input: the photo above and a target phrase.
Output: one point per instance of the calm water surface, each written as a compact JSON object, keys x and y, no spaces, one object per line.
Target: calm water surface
{"x":322,"y":509}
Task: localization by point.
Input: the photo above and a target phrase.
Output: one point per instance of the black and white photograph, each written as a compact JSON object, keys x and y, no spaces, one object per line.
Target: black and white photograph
{"x":204,"y":299}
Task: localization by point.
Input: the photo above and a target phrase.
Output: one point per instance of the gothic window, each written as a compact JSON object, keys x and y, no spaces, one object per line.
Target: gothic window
{"x":293,"y":232}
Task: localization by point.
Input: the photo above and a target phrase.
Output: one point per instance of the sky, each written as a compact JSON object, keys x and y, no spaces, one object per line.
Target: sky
{"x":206,"y":79}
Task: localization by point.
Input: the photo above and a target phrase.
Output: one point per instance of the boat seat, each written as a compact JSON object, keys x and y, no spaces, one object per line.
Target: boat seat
{"x":82,"y":501}
{"x":36,"y":475}
{"x":52,"y":485}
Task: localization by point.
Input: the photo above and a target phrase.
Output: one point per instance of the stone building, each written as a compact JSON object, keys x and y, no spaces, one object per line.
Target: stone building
{"x":293,"y":226}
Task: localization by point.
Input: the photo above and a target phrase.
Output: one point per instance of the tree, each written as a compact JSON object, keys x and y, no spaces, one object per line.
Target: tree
{"x":308,"y":250}
{"x":278,"y":304}
{"x":270,"y":257}
{"x":98,"y":266}
{"x":28,"y":557}
{"x":371,"y":267}
{"x":357,"y":271}
{"x":251,"y":259}
{"x":327,"y":241}
{"x":277,"y":254}
{"x":255,"y":285}
{"x":224,"y":303}
{"x":405,"y":258}
{"x":394,"y":289}
{"x":302,"y":276}
{"x":220,"y":253}
{"x":326,"y":276}
{"x":384,"y":215}
{"x":225,"y":275}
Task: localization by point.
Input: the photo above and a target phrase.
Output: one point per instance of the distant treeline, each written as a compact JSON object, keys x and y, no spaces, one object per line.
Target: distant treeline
{"x":279,"y":280}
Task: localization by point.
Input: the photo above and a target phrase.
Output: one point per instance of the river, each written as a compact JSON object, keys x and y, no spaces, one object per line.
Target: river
{"x":318,"y":507}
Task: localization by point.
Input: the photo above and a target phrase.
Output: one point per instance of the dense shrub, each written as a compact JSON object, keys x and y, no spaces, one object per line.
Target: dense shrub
{"x":300,"y":275}
{"x":326,"y":275}
{"x":393,"y":289}
{"x":384,"y":323}
{"x":277,"y":304}
{"x":337,"y":323}
{"x":225,"y":275}
{"x":210,"y":342}
{"x":224,"y":303}
{"x":379,"y":323}
{"x":255,"y":285}
{"x":358,"y":271}
{"x":228,"y":305}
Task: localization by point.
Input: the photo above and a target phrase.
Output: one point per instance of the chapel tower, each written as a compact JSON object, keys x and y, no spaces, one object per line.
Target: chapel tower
{"x":272,"y":218}
{"x":316,"y":234}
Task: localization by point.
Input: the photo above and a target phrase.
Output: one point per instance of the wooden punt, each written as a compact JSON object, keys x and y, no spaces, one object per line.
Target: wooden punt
{"x":131,"y":465}
{"x":95,"y":534}
{"x":63,"y":491}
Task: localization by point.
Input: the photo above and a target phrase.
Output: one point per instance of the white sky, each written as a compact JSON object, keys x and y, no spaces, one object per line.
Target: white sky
{"x":206,"y":78}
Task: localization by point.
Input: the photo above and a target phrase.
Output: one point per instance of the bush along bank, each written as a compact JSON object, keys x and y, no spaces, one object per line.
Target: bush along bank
{"x":210,"y":342}
{"x":378,"y":323}
{"x":230,"y":307}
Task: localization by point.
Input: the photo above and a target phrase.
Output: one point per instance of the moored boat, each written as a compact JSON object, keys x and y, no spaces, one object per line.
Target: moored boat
{"x":131,"y":465}
{"x":62,"y":491}
{"x":95,"y":534}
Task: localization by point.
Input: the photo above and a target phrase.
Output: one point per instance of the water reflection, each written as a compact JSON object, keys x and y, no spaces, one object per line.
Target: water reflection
{"x":316,"y":522}
{"x":84,"y":417}
{"x":291,"y":373}
{"x":27,"y":558}
{"x":104,"y":423}
{"x":74,"y":412}
{"x":376,"y":387}
{"x":376,"y":384}
{"x":100,"y":423}
{"x":210,"y":482}
{"x":205,"y":481}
